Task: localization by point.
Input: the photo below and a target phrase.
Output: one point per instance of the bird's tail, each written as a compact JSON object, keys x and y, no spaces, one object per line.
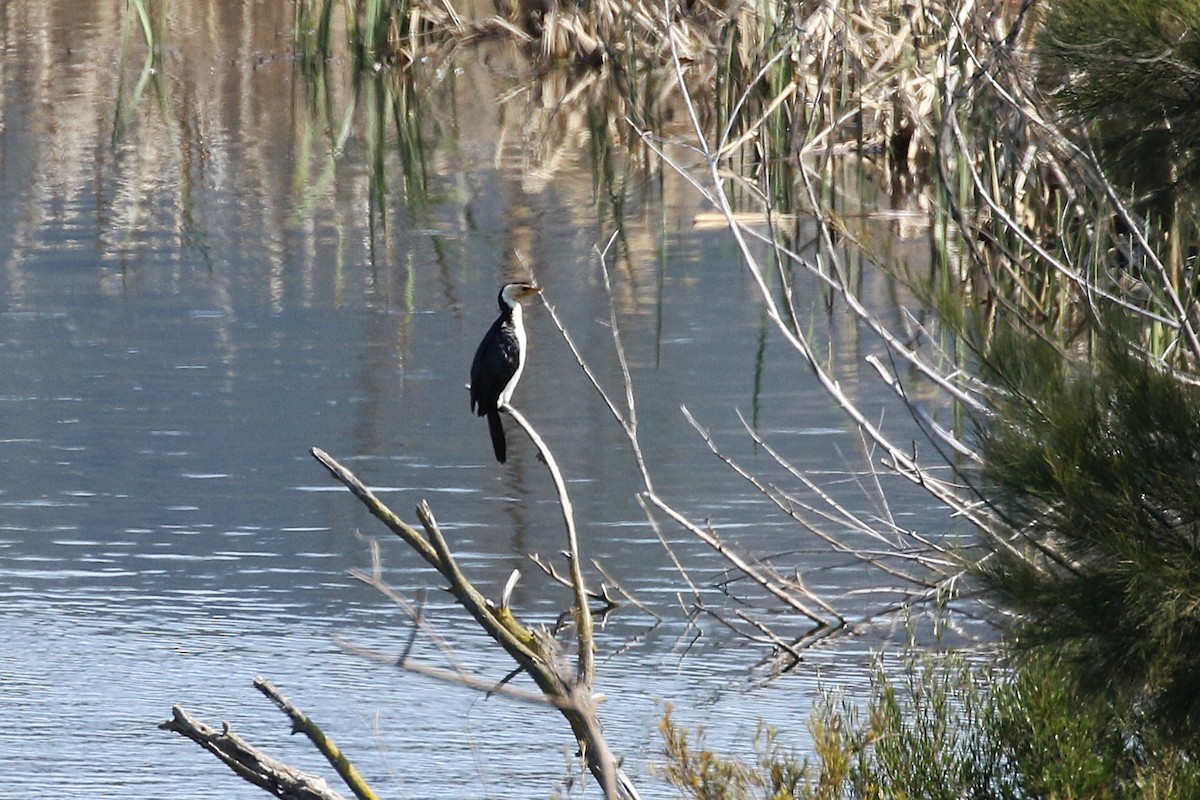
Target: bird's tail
{"x":497,"y":431}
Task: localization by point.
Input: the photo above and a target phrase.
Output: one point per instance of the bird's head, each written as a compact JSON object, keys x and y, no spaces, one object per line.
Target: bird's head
{"x":513,"y":293}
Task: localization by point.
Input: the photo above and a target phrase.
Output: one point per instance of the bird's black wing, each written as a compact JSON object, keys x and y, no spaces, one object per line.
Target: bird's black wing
{"x":494,"y":364}
{"x":483,"y":395}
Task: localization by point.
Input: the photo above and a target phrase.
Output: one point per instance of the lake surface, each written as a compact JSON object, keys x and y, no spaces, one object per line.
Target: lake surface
{"x":211,"y":265}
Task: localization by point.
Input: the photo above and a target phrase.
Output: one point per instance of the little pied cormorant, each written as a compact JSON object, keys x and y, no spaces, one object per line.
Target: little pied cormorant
{"x":499,"y":361}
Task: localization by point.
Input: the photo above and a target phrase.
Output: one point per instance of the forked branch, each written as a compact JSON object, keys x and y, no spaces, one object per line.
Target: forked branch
{"x":534,"y":651}
{"x":253,"y":765}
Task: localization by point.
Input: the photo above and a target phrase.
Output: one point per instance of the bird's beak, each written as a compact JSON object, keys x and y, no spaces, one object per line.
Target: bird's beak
{"x":530,"y":291}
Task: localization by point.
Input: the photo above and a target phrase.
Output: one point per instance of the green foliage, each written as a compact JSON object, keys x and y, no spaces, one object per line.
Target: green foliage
{"x":1064,"y":741}
{"x":924,"y":741}
{"x":1097,"y":469}
{"x":943,"y":728}
{"x":705,"y":775}
{"x":1065,"y":746}
{"x":1130,"y":66}
{"x":920,"y":736}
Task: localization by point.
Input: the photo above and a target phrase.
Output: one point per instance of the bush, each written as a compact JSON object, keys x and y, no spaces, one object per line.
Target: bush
{"x":1097,"y":468}
{"x":942,"y":727}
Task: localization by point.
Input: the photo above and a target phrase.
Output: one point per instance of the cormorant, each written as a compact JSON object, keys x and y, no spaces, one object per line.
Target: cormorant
{"x":499,"y":361}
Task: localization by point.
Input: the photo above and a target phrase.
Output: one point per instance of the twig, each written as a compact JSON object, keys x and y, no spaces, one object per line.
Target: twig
{"x":302,"y":724}
{"x":375,"y":580}
{"x":554,"y":575}
{"x":456,"y":677}
{"x":654,"y":526}
{"x":628,"y":595}
{"x":583,"y":614}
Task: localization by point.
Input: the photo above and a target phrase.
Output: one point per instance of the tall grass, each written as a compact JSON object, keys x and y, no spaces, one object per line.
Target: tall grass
{"x":939,"y":94}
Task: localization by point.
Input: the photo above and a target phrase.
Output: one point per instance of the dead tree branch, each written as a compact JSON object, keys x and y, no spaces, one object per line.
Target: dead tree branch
{"x":583,"y":614}
{"x":248,"y":762}
{"x":535,"y":653}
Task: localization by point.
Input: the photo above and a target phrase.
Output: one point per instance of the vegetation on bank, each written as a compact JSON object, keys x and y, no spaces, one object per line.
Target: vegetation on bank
{"x":1097,"y":465}
{"x":942,"y":728}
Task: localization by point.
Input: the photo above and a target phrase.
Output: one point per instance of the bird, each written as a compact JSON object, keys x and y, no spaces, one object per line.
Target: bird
{"x":499,"y":361}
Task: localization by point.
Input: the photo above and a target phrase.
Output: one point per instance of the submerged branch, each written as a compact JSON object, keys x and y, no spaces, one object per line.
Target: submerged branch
{"x":248,"y":762}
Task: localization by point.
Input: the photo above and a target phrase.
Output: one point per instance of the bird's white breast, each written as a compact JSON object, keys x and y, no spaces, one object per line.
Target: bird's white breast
{"x":519,"y":328}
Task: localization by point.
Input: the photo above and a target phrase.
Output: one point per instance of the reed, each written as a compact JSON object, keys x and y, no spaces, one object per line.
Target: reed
{"x":312,"y":32}
{"x":148,"y":17}
{"x":374,"y":33}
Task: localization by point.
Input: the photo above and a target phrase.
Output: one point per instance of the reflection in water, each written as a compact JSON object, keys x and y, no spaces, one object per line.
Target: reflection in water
{"x":217,"y":256}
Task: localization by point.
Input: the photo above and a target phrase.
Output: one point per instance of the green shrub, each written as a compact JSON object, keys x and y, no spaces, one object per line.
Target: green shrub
{"x":1128,"y":68}
{"x":1097,"y":467}
{"x":942,"y":727}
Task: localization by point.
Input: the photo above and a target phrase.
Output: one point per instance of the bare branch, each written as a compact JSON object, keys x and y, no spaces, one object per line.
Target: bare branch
{"x":302,"y":724}
{"x":248,"y":762}
{"x":455,"y":677}
{"x":583,"y":614}
{"x":552,"y":572}
{"x":535,"y":652}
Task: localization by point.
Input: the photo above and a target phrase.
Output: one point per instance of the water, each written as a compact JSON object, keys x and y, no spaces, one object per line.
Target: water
{"x":201,"y":280}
